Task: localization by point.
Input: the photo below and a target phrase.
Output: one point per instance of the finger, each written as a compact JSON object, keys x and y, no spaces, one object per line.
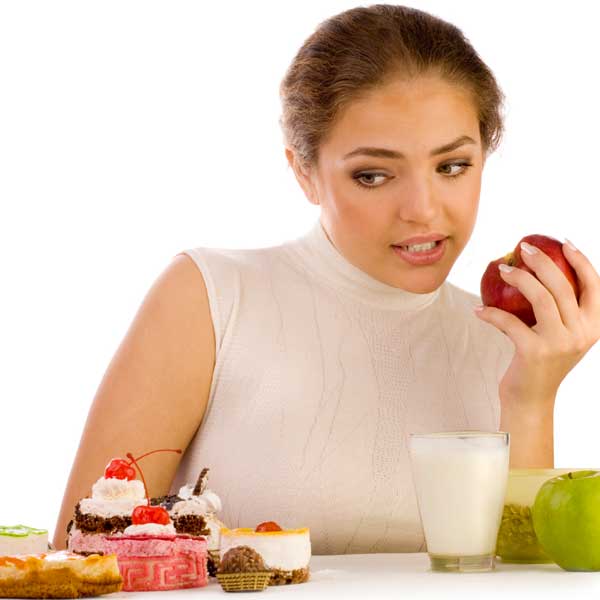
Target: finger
{"x":587,"y":278}
{"x":549,"y":273}
{"x":522,"y":336}
{"x":544,"y":306}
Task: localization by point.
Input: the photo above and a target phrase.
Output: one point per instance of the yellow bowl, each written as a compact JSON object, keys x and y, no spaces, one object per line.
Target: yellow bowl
{"x":517,"y":542}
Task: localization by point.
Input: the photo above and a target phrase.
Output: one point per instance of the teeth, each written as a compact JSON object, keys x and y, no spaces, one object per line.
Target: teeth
{"x":420,"y":247}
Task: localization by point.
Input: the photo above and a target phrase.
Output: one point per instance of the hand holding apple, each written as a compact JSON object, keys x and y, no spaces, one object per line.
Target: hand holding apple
{"x":497,"y":292}
{"x":564,"y":295}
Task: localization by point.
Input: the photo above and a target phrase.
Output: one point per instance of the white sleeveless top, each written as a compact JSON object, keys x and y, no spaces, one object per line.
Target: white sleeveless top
{"x":321,"y":373}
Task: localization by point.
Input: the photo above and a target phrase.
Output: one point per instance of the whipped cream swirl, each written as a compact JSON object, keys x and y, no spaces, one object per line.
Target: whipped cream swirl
{"x":150,"y":529}
{"x":205,"y":503}
{"x":118,"y":489}
{"x":113,"y":497}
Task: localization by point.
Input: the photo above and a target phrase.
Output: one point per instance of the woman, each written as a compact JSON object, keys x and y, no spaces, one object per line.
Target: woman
{"x":297,"y":372}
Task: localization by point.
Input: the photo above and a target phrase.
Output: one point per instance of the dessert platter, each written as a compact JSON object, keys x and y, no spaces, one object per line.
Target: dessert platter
{"x":121,"y":539}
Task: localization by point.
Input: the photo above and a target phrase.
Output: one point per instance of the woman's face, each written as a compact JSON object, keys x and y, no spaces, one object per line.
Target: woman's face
{"x":371,"y":203}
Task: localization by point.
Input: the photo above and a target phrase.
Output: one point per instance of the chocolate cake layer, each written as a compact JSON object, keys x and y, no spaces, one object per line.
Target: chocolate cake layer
{"x":90,"y":523}
{"x":191,"y":524}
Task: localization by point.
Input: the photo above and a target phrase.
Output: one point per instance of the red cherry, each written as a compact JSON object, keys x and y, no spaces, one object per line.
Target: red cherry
{"x":150,"y":514}
{"x":268,"y":526}
{"x":119,"y":468}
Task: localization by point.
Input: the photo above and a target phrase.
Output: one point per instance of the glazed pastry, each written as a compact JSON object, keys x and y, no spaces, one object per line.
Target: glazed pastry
{"x":58,"y":575}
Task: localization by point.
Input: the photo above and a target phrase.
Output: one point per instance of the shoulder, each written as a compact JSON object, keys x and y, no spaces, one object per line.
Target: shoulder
{"x":203,"y":256}
{"x":223,"y":267}
{"x":175,"y":312}
{"x":179,"y":285}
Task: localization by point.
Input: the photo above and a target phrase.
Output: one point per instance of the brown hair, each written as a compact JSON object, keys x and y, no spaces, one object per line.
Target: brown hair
{"x":361,"y":49}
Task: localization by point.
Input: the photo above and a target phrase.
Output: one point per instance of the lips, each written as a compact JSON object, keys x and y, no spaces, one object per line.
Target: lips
{"x":422,"y":239}
{"x":427,"y":257}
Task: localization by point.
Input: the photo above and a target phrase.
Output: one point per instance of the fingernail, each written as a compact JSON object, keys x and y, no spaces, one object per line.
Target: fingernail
{"x":570,"y":244}
{"x":478,"y":307}
{"x":505,"y":268}
{"x":528,"y":248}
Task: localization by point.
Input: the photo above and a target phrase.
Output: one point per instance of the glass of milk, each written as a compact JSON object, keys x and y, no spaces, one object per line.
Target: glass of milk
{"x":460,"y":480}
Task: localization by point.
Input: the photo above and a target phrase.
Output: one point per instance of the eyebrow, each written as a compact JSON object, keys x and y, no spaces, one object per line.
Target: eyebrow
{"x":387,"y":153}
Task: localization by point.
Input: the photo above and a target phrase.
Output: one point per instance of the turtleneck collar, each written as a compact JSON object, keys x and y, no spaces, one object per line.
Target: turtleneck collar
{"x":327,"y":263}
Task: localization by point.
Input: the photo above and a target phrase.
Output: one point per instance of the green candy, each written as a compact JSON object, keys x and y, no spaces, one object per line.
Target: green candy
{"x":20,"y":531}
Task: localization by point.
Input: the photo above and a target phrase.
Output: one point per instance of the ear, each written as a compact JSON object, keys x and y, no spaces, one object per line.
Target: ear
{"x":303,"y":176}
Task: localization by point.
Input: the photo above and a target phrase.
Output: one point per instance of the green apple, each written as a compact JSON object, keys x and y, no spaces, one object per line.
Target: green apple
{"x":566,"y":520}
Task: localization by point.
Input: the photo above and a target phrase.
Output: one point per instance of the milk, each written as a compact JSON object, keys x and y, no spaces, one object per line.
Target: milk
{"x":460,"y":479}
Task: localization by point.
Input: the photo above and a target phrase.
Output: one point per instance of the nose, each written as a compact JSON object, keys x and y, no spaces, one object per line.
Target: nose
{"x":417,"y":202}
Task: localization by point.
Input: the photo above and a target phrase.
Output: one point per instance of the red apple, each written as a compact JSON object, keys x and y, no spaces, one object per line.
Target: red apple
{"x":498,"y":293}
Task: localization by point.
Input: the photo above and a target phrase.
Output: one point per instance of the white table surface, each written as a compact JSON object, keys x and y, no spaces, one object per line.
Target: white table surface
{"x":408,"y":576}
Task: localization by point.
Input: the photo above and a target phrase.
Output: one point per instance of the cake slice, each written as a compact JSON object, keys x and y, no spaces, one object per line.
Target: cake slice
{"x":108,"y":511}
{"x":152,"y":556}
{"x":20,"y":539}
{"x":285,"y":552}
{"x":58,"y":575}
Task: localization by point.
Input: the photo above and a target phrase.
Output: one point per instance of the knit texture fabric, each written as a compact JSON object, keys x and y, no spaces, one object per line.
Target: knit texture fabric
{"x":321,"y":374}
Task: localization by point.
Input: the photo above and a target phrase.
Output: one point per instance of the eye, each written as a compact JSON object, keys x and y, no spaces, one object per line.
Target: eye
{"x":358,"y":176}
{"x":463,"y":164}
{"x":368,"y":177}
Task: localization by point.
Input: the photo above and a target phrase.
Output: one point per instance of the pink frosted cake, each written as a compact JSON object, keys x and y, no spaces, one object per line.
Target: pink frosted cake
{"x":154,"y":558}
{"x":119,"y":519}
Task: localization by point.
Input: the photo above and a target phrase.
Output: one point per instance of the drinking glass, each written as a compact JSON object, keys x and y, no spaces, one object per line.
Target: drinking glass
{"x":460,"y":480}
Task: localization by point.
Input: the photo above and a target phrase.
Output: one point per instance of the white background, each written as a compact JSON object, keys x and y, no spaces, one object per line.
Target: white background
{"x":132,"y":130}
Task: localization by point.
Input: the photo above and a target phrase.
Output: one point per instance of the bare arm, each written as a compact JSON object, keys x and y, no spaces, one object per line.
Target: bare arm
{"x":155,"y":390}
{"x":531,"y":432}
